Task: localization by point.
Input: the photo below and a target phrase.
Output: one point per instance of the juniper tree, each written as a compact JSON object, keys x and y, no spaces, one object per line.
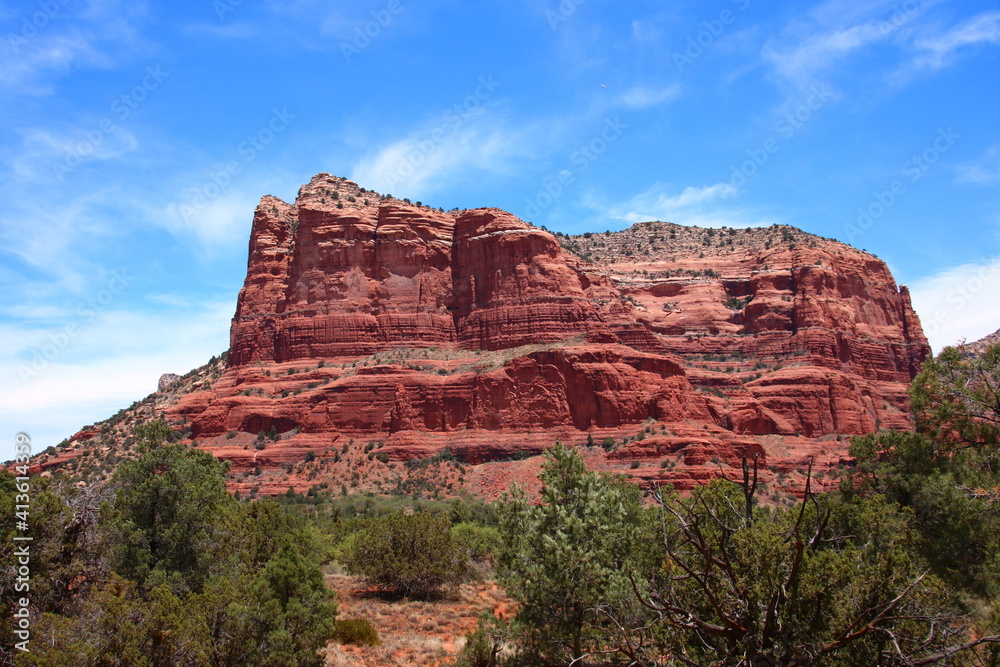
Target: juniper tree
{"x":565,"y":559}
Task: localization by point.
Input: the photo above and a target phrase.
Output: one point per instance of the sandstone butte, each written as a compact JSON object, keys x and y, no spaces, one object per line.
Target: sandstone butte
{"x":371,"y":332}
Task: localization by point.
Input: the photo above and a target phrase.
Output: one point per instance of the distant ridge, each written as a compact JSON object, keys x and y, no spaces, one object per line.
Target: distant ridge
{"x":979,"y":346}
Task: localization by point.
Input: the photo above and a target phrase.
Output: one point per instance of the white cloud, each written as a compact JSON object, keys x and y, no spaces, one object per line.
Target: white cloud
{"x":810,"y":46}
{"x":814,"y":54}
{"x":51,"y":155}
{"x":433,"y":159}
{"x":984,"y":171}
{"x":51,"y":236}
{"x":96,"y":34}
{"x":111,"y":361}
{"x":212,"y":222}
{"x":27,"y":63}
{"x":959,"y":302}
{"x":642,"y":97}
{"x":704,"y":207}
{"x":230,"y":30}
{"x":940,"y":50}
{"x":36,"y":311}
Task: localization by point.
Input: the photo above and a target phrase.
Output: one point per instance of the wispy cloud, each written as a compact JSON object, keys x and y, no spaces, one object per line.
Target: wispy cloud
{"x":707,"y":206}
{"x":51,"y":153}
{"x":810,"y":46}
{"x":26,"y":67}
{"x":942,"y":49}
{"x":823,"y":50}
{"x":817,"y":45}
{"x":115,"y":360}
{"x":101,"y":34}
{"x":49,"y":234}
{"x":418,"y":165}
{"x":641,"y":97}
{"x":465,"y":140}
{"x":959,"y":302}
{"x":984,"y":171}
{"x":219,"y":222}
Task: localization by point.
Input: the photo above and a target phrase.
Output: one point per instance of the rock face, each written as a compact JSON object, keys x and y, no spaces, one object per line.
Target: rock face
{"x":331,"y":277}
{"x":366,"y":317}
{"x":166,"y":380}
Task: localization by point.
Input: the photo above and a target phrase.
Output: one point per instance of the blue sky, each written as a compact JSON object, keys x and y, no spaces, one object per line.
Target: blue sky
{"x":137,"y":137}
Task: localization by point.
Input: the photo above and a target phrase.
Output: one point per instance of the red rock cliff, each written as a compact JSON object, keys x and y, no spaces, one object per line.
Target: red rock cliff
{"x":368,"y":317}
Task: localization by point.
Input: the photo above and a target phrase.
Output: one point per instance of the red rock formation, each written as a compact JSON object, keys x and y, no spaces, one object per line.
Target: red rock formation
{"x":404,"y":323}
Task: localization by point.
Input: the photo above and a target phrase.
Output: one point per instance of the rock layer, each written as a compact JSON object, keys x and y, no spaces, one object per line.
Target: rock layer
{"x":368,"y":317}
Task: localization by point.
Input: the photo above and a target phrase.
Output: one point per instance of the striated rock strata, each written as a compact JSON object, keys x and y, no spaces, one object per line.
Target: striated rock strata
{"x":366,"y":318}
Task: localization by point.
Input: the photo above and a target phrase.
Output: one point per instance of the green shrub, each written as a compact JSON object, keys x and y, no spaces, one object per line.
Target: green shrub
{"x":409,"y":554}
{"x":477,"y":541}
{"x":357,"y":631}
{"x":736,"y":304}
{"x":483,"y":645}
